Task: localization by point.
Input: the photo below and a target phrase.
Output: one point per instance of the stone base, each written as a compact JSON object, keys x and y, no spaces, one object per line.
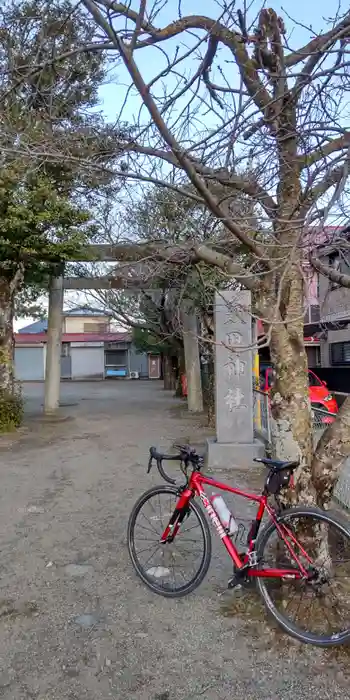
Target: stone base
{"x":232,"y":455}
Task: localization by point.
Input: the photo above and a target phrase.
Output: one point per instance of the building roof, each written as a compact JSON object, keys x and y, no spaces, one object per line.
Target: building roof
{"x":36,"y":327}
{"x":77,"y":311}
{"x":37,"y":338}
{"x":86,"y":311}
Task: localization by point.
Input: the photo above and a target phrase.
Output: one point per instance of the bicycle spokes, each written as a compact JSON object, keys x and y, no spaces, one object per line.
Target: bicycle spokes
{"x":168,"y":543}
{"x":320,"y":602}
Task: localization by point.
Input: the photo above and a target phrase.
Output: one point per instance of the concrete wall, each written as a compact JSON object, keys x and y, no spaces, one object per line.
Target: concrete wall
{"x":30,"y":363}
{"x":324,"y":347}
{"x":87,"y":362}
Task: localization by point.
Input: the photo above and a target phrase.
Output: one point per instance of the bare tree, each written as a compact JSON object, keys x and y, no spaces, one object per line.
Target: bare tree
{"x":168,"y":287}
{"x":229,"y":94}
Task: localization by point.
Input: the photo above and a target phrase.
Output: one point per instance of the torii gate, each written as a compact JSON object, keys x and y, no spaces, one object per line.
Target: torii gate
{"x":58,"y":284}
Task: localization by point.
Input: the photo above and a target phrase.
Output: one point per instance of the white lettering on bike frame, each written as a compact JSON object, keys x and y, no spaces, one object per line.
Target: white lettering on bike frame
{"x":212,"y":515}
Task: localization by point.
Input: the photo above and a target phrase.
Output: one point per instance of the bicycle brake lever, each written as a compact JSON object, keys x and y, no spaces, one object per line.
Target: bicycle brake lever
{"x":150,"y":464}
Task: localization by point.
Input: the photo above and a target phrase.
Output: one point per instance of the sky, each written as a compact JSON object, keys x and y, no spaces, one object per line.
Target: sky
{"x":309,"y":14}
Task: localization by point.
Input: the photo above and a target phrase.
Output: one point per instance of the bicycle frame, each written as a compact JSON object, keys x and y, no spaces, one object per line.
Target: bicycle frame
{"x":249,"y":562}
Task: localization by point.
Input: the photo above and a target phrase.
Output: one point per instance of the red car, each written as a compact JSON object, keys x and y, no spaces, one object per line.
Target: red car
{"x":320,"y":395}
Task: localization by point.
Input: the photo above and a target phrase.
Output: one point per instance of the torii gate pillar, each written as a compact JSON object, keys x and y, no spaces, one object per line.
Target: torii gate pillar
{"x":53,"y":347}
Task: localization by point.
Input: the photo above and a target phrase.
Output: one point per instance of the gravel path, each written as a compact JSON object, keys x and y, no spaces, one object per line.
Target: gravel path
{"x":74,"y":620}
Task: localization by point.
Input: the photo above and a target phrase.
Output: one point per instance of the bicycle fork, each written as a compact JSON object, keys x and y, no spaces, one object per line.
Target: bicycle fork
{"x":180,"y":513}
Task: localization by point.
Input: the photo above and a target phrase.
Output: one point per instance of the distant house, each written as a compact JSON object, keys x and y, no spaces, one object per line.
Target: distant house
{"x":90,"y":350}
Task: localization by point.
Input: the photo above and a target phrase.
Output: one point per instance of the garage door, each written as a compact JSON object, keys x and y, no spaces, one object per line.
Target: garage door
{"x":87,"y":362}
{"x":29,"y":364}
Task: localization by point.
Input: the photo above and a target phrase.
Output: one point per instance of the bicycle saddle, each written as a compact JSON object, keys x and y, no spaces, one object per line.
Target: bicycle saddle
{"x":277,"y":464}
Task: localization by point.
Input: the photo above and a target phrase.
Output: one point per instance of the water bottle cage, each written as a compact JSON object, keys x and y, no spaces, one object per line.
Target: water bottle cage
{"x":240,"y":537}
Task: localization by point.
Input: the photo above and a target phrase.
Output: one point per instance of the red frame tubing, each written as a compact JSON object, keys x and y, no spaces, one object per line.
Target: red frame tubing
{"x":275,"y":573}
{"x":195,"y":487}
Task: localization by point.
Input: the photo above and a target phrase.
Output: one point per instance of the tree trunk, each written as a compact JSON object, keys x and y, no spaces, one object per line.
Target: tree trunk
{"x":11,"y":406}
{"x":291,"y":426}
{"x":291,"y":412}
{"x":6,"y":337}
{"x":209,"y":391}
{"x":173,"y":372}
{"x":181,"y":371}
{"x":168,"y":373}
{"x":210,"y":404}
{"x":331,"y":451}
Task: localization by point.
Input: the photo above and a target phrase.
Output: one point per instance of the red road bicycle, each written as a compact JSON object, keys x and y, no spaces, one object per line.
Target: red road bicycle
{"x":310,"y":548}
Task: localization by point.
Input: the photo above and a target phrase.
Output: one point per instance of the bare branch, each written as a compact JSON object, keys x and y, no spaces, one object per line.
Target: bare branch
{"x":340,"y":144}
{"x":168,"y":137}
{"x":312,"y":195}
{"x":233,"y":40}
{"x":333,"y":275}
{"x":317,"y":45}
{"x":316,"y":55}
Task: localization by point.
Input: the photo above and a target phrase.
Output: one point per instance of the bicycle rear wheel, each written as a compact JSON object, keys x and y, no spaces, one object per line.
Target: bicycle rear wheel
{"x":315,"y":611}
{"x":172,"y":569}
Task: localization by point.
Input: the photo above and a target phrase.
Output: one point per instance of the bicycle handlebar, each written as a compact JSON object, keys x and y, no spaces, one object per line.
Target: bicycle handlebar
{"x":187,"y":455}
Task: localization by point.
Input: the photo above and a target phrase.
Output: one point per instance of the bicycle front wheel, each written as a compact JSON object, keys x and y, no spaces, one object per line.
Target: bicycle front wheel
{"x":172,"y":569}
{"x":315,"y":610}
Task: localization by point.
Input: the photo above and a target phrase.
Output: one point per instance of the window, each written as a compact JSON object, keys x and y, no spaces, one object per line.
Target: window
{"x":95,"y":327}
{"x":340,"y":353}
{"x":312,"y":314}
{"x":313,"y":380}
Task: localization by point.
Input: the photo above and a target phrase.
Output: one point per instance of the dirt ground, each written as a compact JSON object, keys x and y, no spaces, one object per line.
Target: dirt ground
{"x":75,"y":622}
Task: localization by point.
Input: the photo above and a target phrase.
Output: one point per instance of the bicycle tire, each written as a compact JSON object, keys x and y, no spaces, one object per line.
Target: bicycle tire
{"x":282,"y":620}
{"x":204,"y":565}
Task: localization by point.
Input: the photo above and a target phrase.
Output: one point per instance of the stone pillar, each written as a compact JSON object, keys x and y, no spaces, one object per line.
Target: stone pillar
{"x":192,"y":362}
{"x":234,"y":445}
{"x":53,"y":350}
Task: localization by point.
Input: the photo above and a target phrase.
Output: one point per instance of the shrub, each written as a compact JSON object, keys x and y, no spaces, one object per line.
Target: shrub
{"x":11,"y":410}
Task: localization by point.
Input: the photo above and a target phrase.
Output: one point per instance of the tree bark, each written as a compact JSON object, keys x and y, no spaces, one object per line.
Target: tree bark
{"x":6,"y":337}
{"x":181,"y":371}
{"x":173,"y":372}
{"x":168,"y":373}
{"x":209,"y":390}
{"x":210,"y":402}
{"x":291,"y":411}
{"x":291,"y":426}
{"x":331,"y":451}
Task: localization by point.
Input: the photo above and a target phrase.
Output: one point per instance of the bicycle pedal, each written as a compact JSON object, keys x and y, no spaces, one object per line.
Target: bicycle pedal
{"x":242,"y":582}
{"x":234,"y":582}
